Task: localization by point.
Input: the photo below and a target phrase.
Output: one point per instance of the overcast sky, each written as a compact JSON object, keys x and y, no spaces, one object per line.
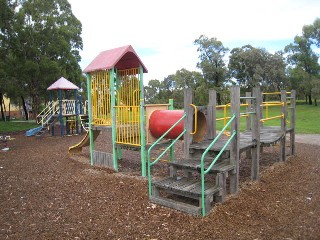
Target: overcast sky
{"x":162,"y":32}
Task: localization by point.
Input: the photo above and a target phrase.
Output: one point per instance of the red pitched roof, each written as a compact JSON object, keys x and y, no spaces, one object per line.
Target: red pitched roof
{"x":63,"y":84}
{"x":120,"y":58}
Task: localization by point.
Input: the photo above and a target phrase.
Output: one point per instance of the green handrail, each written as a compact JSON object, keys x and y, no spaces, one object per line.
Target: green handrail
{"x":158,"y":158}
{"x":203,"y":172}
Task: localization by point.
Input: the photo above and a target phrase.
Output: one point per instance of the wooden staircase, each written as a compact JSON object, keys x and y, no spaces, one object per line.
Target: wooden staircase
{"x":45,"y":127}
{"x":182,"y":189}
{"x":209,"y":170}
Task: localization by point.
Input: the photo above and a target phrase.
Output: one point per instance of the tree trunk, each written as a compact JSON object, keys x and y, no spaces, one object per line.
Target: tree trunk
{"x":315,"y":102}
{"x":219,"y":98}
{"x":1,"y":106}
{"x":24,"y":108}
{"x":310,"y":99}
{"x":306,"y":98}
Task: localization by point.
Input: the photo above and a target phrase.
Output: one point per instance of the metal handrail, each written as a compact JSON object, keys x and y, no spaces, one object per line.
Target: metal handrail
{"x":46,"y":117}
{"x":273,"y":93}
{"x":270,"y":118}
{"x":203,"y":172}
{"x":44,"y":110}
{"x":158,"y":158}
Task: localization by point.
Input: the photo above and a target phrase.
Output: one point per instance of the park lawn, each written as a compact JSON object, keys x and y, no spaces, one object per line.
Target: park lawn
{"x":15,"y":126}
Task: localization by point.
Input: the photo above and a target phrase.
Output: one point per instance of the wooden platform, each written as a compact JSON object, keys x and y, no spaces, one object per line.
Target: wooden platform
{"x":268,"y":136}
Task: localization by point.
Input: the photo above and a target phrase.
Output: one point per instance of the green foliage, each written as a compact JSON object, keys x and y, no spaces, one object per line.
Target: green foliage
{"x":304,"y":66}
{"x":212,"y":63}
{"x":312,"y":32}
{"x":172,"y":88}
{"x":256,"y":67}
{"x":44,"y":44}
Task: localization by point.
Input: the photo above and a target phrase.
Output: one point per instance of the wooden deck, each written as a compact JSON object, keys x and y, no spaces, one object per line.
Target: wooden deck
{"x":268,"y":136}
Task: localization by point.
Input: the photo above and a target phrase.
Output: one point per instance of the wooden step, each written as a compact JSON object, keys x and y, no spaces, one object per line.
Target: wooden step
{"x":184,"y":187}
{"x":194,"y":164}
{"x":180,"y":206}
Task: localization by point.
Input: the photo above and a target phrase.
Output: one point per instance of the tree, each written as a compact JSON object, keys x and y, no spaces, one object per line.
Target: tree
{"x":212,"y":64}
{"x":315,"y":89}
{"x":172,"y":87}
{"x":301,"y":56}
{"x":256,"y":67}
{"x":6,"y":16}
{"x":45,"y":46}
{"x":275,"y":72}
{"x":312,"y":32}
{"x":152,"y":91}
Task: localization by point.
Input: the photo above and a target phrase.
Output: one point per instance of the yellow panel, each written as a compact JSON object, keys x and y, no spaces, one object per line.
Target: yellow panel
{"x":128,"y":110}
{"x":101,"y":99}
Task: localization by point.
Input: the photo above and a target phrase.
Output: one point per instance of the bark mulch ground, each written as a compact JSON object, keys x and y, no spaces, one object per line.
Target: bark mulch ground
{"x":46,"y":194}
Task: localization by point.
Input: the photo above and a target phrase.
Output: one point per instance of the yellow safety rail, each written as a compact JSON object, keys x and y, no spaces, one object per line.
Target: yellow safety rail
{"x":195,"y":119}
{"x":101,"y":98}
{"x":128,"y":87}
{"x":128,"y":125}
{"x":270,"y":104}
{"x":270,"y":118}
{"x":128,"y":108}
{"x":274,"y":93}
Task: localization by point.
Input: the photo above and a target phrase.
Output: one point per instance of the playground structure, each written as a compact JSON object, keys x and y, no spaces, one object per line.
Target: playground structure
{"x":210,"y":167}
{"x":116,"y":101}
{"x":212,"y":164}
{"x":66,"y":111}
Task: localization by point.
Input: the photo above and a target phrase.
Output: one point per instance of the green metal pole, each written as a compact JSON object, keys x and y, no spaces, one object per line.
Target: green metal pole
{"x":171,"y":148}
{"x":117,"y":86}
{"x":90,"y":117}
{"x":142,"y":127}
{"x":114,"y":120}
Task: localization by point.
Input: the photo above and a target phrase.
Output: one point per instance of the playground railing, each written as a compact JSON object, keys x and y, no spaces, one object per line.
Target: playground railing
{"x":128,"y":125}
{"x":44,"y":111}
{"x":150,"y":164}
{"x":52,"y":110}
{"x":203,"y":171}
{"x":68,"y":107}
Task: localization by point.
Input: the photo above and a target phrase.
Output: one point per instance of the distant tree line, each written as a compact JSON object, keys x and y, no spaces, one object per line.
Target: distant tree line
{"x":294,"y":67}
{"x":39,"y":42}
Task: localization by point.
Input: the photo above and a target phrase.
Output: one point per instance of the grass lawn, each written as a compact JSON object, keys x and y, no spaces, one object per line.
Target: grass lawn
{"x":14,"y":126}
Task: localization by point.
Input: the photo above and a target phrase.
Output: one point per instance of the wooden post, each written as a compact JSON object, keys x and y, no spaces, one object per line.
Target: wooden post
{"x":255,"y":151}
{"x":211,"y":114}
{"x":283,"y":126}
{"x":234,"y":146}
{"x":248,"y":118}
{"x":293,"y":122}
{"x":188,"y":121}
